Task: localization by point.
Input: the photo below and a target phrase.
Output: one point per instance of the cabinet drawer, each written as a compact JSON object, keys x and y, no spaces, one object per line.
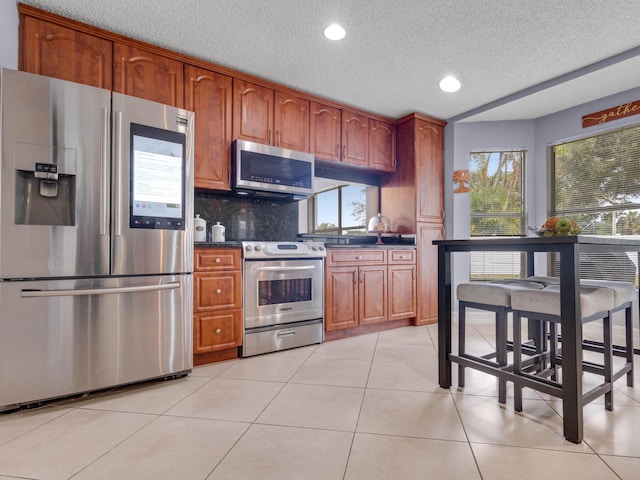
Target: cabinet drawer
{"x":357,"y":256}
{"x":217,"y":331}
{"x":402,"y":256}
{"x":211,"y":260}
{"x":217,"y":291}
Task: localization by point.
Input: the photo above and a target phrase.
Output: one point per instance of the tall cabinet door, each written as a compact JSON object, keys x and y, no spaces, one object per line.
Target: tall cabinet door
{"x":429,"y":172}
{"x":291,"y":122}
{"x":60,"y":52}
{"x":143,"y":74}
{"x":210,"y":96}
{"x":427,"y":271}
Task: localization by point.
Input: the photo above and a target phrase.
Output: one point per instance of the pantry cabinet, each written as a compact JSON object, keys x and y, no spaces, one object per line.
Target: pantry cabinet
{"x":413,"y":198}
{"x":210,"y":96}
{"x":217,"y":319}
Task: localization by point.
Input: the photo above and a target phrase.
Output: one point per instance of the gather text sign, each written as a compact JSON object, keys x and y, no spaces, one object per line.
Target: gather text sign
{"x":603,"y":116}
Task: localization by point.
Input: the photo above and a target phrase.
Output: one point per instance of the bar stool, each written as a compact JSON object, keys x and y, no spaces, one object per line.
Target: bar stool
{"x":624,"y":296}
{"x":544,"y":306}
{"x":495,"y":297}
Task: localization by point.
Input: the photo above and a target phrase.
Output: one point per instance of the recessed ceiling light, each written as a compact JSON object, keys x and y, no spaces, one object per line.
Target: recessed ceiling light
{"x":334,"y":32}
{"x":449,"y":84}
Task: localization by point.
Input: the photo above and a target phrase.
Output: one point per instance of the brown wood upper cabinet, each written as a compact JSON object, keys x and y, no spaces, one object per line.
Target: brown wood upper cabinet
{"x":143,"y":74}
{"x":270,"y":117}
{"x":382,"y":146}
{"x":355,"y":139}
{"x":55,"y":51}
{"x":325,"y":125}
{"x":210,"y":95}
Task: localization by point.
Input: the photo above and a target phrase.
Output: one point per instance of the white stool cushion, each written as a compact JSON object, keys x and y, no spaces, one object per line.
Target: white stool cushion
{"x":592,"y":300}
{"x":492,"y":293}
{"x":623,"y":292}
{"x":546,"y":281}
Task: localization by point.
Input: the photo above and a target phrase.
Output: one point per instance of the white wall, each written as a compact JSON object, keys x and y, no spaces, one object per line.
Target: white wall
{"x":9,"y":34}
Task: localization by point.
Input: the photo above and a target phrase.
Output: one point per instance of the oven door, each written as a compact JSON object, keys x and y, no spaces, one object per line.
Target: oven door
{"x":282,"y":291}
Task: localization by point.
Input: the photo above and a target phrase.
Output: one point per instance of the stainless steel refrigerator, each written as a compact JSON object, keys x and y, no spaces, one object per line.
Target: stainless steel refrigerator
{"x":96,"y":247}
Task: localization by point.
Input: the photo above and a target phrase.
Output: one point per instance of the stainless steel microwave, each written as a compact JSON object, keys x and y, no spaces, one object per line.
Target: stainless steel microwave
{"x":271,"y":172}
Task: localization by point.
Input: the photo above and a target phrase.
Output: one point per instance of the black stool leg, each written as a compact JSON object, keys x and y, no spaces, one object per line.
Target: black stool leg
{"x":608,"y":360}
{"x":517,"y":361}
{"x":461,"y":340}
{"x":501,"y":350}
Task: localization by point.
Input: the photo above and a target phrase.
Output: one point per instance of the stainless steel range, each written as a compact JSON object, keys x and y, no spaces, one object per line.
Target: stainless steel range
{"x":283,"y":295}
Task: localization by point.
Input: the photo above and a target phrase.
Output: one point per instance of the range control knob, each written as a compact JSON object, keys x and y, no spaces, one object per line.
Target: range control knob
{"x":257,"y":248}
{"x":248,"y":248}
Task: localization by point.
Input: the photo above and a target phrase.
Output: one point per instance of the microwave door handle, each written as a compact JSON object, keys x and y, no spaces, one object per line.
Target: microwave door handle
{"x":285,"y":269}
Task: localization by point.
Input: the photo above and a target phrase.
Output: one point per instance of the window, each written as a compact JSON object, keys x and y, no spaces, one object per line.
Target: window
{"x":596,"y":181}
{"x":341,"y":210}
{"x":497,"y":209}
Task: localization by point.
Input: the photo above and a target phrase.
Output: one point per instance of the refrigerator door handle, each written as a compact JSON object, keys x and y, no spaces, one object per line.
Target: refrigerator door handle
{"x":104,"y":171}
{"x":117,"y":155}
{"x":97,"y":291}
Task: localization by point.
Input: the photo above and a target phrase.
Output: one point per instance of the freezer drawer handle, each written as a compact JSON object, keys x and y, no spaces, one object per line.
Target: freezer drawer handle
{"x":97,"y":291}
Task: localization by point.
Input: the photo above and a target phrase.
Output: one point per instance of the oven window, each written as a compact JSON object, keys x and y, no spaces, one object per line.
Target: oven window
{"x":273,"y":292}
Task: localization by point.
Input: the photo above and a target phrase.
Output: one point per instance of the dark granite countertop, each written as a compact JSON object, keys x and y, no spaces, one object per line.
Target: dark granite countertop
{"x":369,"y":245}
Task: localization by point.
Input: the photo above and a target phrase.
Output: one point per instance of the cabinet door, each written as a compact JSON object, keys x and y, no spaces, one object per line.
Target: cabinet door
{"x":324,"y":131}
{"x":382,"y":146}
{"x":210,"y":96}
{"x":54,"y":51}
{"x":428,"y":271}
{"x":217,"y":291}
{"x":402,"y":291}
{"x":355,"y":139}
{"x":147,"y":75}
{"x":373,"y":294}
{"x":291,"y":122}
{"x":252,"y":112}
{"x":217,"y":331}
{"x":429,"y":172}
{"x":341,"y":298}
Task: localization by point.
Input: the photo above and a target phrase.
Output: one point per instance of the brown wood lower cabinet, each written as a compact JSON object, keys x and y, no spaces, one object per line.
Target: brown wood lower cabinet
{"x":366,"y":287}
{"x":217,"y":319}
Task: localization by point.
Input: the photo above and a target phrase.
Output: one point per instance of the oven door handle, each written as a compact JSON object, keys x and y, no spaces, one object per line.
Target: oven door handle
{"x":285,"y":269}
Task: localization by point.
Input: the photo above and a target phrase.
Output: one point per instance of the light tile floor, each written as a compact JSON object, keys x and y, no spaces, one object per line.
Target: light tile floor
{"x":367,"y":407}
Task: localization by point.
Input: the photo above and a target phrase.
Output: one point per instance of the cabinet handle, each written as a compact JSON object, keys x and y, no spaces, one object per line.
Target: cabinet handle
{"x":361,"y":276}
{"x":218,"y":330}
{"x":358,"y":257}
{"x":344,"y":151}
{"x":217,"y":260}
{"x":338,"y":150}
{"x":355,"y":277}
{"x":218,"y":291}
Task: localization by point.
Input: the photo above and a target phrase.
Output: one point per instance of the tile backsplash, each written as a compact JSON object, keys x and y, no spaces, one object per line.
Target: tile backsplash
{"x":247,"y":218}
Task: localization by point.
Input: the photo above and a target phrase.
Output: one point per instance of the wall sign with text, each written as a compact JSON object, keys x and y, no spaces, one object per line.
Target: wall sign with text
{"x":615,"y":113}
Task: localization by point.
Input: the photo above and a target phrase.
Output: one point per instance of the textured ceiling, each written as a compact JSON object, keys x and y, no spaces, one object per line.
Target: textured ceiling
{"x":396,"y":51}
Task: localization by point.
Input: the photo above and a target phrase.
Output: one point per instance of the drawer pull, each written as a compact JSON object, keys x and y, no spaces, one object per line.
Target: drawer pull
{"x":358,"y":257}
{"x":218,"y":330}
{"x":218,"y":291}
{"x":217,"y":260}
